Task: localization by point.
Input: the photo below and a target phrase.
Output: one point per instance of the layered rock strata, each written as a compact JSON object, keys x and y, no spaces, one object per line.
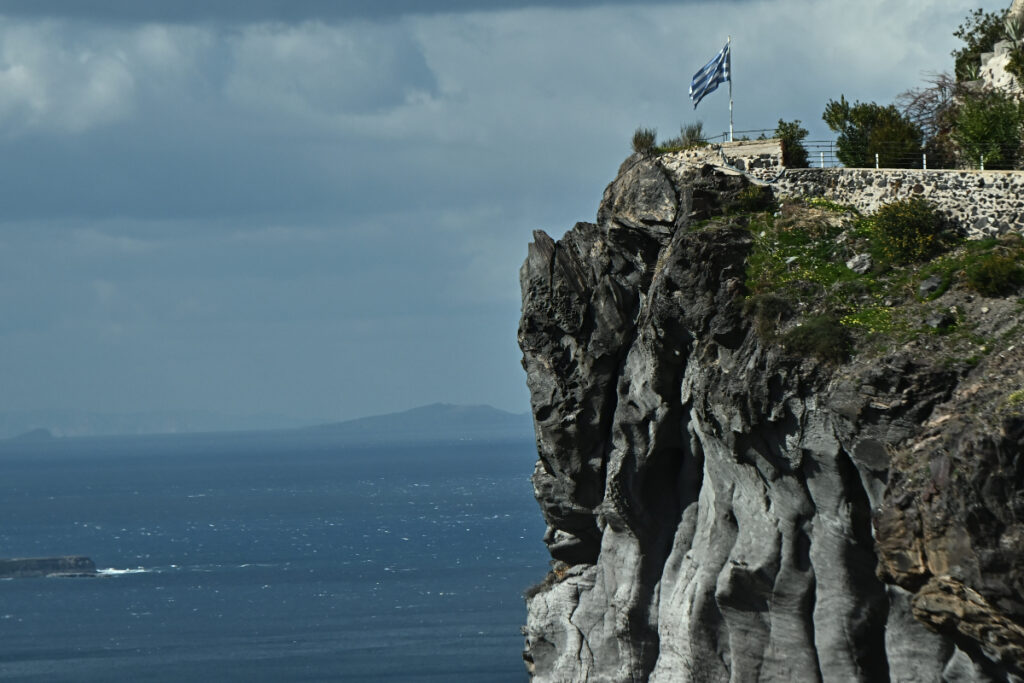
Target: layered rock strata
{"x":720,"y":510}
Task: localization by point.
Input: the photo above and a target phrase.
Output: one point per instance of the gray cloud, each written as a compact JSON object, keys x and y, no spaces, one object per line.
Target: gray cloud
{"x":188,"y":11}
{"x":327,"y":218}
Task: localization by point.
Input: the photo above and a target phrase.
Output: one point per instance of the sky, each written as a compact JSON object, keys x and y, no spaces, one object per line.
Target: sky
{"x":318,"y":209}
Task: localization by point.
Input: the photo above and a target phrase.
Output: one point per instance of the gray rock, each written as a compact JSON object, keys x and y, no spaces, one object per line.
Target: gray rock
{"x":642,"y":196}
{"x":929,"y":286}
{"x":860,"y":264}
{"x":940,"y":320}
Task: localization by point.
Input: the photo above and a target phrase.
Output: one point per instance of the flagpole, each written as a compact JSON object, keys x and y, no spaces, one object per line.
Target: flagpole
{"x":728,"y":42}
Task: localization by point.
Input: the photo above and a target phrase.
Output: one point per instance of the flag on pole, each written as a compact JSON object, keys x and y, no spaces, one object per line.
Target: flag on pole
{"x":715,"y":72}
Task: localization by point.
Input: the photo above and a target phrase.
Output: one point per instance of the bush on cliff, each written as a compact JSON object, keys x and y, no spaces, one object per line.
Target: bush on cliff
{"x":645,"y":141}
{"x":822,"y":336}
{"x":906,"y":231}
{"x":690,"y":135}
{"x":994,"y":274}
{"x":792,"y":134}
{"x":768,"y":311}
{"x":752,"y":199}
{"x":866,"y":129}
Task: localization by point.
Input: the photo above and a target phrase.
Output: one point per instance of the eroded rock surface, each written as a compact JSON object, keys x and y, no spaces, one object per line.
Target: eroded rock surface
{"x":721,"y":510}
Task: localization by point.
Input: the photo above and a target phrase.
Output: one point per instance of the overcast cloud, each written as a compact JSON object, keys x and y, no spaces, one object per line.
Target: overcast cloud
{"x":248,"y":11}
{"x":319,"y":208}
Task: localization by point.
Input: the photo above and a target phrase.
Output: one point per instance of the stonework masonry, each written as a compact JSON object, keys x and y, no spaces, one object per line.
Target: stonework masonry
{"x":979,"y":203}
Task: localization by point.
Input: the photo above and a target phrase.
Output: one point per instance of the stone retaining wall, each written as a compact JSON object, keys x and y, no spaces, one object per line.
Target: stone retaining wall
{"x":981,"y":203}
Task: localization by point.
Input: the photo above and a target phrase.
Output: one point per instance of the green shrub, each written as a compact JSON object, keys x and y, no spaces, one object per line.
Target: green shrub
{"x":768,"y":311}
{"x":1013,"y":28}
{"x":994,"y":274}
{"x":828,"y":205}
{"x":866,"y":129}
{"x":751,"y":199}
{"x":822,"y":336}
{"x":906,"y":231}
{"x":1016,"y":399}
{"x":645,"y":141}
{"x":987,"y":127}
{"x":1016,"y":64}
{"x":794,"y":154}
{"x":690,"y":135}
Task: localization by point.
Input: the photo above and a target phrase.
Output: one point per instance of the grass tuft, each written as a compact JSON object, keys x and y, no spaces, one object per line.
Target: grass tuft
{"x":645,"y":141}
{"x":822,"y":336}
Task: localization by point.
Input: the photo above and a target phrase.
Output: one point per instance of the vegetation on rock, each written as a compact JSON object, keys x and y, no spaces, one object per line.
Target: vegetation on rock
{"x":997,"y":272}
{"x":645,"y":141}
{"x":802,"y":294}
{"x":822,"y":335}
{"x":690,"y":135}
{"x":906,"y":231}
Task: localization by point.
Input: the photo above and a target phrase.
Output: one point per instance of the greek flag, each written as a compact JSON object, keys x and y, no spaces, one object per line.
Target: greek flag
{"x":706,"y":81}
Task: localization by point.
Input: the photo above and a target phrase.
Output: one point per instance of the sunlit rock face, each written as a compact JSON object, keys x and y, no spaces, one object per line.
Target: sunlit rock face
{"x":721,"y":510}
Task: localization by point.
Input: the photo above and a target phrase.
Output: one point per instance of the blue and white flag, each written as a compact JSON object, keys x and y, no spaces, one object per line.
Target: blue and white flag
{"x":707,"y":80}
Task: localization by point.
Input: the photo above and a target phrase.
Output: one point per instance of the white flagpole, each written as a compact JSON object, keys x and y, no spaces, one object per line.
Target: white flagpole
{"x":728,"y":42}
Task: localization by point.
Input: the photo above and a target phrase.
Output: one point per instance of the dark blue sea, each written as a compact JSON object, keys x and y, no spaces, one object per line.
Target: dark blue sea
{"x":268,"y":557}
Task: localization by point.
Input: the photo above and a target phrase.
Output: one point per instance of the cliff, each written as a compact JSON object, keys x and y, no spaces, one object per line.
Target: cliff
{"x":757,"y":464}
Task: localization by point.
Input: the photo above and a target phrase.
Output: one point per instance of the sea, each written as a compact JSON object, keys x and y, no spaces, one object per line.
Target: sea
{"x":269,"y":557}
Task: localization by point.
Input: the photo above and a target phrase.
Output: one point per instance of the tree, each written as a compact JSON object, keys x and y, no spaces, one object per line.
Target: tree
{"x":987,"y":128}
{"x":866,"y":129}
{"x":932,"y":108}
{"x":980,"y":32}
{"x":794,"y":154}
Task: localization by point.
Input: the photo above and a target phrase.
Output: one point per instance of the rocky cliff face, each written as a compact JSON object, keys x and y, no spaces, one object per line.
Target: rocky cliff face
{"x":721,"y":507}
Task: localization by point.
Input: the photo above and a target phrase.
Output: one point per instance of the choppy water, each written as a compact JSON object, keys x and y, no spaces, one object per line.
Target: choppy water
{"x":268,"y":557}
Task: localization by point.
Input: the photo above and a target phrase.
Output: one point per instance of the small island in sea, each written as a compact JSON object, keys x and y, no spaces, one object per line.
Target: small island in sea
{"x":46,"y":567}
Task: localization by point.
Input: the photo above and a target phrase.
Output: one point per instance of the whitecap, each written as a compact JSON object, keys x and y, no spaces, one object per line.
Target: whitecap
{"x":111,"y":571}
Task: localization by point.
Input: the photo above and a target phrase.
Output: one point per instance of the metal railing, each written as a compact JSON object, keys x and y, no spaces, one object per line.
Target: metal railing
{"x":825,"y":154}
{"x":821,"y":154}
{"x":743,"y":135}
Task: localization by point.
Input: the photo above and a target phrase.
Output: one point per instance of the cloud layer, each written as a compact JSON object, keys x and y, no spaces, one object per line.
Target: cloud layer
{"x":319,"y":209}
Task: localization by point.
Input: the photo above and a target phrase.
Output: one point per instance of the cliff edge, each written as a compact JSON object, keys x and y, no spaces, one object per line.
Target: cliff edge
{"x":729,"y":497}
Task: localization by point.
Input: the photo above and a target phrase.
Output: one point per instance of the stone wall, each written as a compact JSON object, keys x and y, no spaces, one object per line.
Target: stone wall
{"x":981,"y":203}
